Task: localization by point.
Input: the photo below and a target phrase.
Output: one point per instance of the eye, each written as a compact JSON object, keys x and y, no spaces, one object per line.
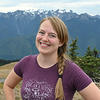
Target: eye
{"x":41,"y":32}
{"x":52,"y":35}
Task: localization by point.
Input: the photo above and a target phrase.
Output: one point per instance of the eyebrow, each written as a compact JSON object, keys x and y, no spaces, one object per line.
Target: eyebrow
{"x":41,"y":30}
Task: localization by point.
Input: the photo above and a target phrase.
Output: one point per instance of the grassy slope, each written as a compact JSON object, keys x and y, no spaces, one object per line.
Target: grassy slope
{"x":4,"y":71}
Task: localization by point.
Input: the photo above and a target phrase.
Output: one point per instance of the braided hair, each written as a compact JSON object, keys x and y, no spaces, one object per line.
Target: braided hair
{"x":62,"y":33}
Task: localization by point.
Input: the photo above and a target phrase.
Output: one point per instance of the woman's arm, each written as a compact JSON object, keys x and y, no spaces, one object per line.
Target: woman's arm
{"x":11,"y":81}
{"x":91,"y":92}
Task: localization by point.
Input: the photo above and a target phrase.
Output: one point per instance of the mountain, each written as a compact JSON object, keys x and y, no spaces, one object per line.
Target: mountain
{"x":18,"y":30}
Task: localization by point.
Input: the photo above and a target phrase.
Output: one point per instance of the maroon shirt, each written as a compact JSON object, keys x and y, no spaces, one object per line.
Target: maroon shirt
{"x":39,"y":83}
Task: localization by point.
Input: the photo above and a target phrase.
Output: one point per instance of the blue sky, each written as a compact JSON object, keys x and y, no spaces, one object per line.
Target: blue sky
{"x":91,"y":7}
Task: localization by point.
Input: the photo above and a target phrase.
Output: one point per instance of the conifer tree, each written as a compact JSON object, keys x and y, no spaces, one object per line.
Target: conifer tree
{"x":72,"y":49}
{"x":95,"y":53}
{"x":88,"y":52}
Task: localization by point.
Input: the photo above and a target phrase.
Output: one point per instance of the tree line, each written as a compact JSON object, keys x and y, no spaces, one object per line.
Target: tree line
{"x":89,"y":62}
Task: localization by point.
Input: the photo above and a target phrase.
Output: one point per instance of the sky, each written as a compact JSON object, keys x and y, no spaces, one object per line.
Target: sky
{"x":91,"y":7}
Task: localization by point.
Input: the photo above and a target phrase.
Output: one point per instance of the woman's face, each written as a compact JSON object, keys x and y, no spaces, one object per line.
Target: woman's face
{"x":47,"y":41}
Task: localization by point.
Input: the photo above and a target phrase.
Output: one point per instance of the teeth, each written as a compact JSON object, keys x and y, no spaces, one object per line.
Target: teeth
{"x":44,"y":44}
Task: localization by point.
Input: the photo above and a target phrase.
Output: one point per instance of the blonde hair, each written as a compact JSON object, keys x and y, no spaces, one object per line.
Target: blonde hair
{"x":62,"y":33}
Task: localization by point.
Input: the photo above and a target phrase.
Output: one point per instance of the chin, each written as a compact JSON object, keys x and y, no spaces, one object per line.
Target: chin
{"x":44,"y":53}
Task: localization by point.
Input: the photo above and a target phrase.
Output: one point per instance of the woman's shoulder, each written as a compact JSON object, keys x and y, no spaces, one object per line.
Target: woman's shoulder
{"x":71,"y":64}
{"x":72,"y":67}
{"x":24,"y":62}
{"x":28,"y":57}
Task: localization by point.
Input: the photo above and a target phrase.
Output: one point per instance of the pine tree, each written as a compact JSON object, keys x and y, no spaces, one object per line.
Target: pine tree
{"x":95,"y":53}
{"x":72,"y":50}
{"x":88,"y":52}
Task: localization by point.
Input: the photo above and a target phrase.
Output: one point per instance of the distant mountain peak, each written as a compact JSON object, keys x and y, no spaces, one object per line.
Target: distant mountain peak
{"x":19,"y":28}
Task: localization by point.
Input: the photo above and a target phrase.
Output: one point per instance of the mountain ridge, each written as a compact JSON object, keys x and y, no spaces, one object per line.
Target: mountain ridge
{"x":19,"y":28}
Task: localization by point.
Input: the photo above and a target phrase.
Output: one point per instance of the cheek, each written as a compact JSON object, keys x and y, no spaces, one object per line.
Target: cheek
{"x":38,"y":37}
{"x":54,"y":41}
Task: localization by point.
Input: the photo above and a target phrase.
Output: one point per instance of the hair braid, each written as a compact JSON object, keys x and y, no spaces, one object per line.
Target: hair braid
{"x":60,"y":65}
{"x":59,"y":92}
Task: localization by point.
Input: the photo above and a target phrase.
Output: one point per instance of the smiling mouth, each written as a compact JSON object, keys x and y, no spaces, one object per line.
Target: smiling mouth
{"x":44,"y":44}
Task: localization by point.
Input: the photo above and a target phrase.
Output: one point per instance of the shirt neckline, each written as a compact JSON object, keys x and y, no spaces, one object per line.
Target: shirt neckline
{"x":45,"y":69}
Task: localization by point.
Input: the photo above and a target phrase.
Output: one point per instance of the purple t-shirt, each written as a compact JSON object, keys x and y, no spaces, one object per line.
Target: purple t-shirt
{"x":39,"y":83}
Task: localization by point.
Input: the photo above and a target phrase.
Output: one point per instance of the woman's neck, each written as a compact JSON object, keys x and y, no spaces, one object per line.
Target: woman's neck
{"x":46,"y":61}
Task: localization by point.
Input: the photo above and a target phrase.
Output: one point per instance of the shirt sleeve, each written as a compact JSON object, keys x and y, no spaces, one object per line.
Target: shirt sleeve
{"x":20,"y":66}
{"x":81,"y":79}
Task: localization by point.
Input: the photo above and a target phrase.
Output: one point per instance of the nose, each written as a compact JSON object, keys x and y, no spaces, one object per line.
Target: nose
{"x":45,"y":37}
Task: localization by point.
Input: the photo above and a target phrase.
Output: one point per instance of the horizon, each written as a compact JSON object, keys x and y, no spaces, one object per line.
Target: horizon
{"x":41,"y":10}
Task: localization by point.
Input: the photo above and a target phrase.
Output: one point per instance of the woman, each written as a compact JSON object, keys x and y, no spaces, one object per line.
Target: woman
{"x":50,"y":75}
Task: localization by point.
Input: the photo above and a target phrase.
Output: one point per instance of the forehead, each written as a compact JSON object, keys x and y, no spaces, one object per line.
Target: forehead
{"x":46,"y":23}
{"x":47,"y":26}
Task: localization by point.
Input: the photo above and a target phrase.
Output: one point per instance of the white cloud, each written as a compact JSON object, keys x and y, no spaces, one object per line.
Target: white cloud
{"x":2,"y":3}
{"x":48,"y":5}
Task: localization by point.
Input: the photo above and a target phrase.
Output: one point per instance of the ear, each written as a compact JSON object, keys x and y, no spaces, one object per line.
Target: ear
{"x":60,"y":44}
